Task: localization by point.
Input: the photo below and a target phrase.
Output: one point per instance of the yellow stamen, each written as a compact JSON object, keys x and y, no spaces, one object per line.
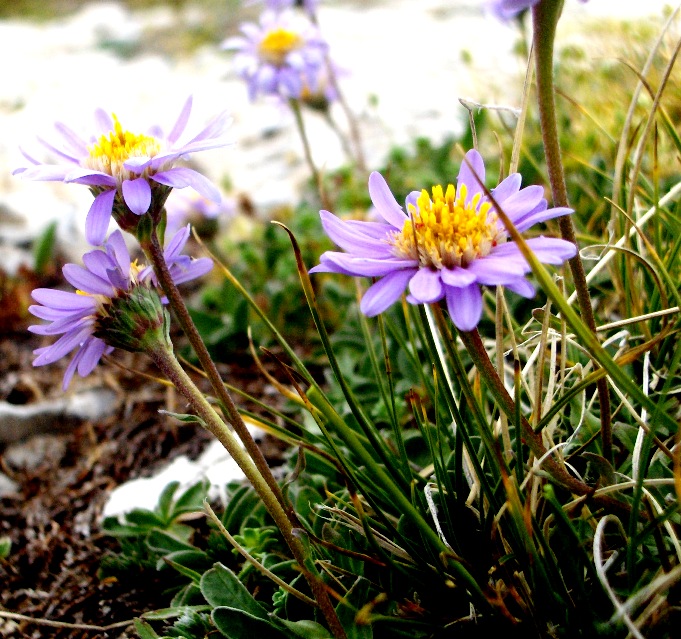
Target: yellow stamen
{"x":112,"y":149}
{"x":447,"y":231}
{"x":277,"y":44}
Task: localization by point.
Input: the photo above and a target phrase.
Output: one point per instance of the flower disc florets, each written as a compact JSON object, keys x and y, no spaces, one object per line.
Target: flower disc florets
{"x":113,"y":149}
{"x":448,"y":231}
{"x":112,"y":292}
{"x":129,"y":173}
{"x":446,"y":246}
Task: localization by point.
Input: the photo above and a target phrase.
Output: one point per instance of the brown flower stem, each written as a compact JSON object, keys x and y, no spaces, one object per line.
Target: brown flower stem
{"x":300,"y":124}
{"x":164,"y":358}
{"x":155,"y":253}
{"x":545,"y":17}
{"x":349,"y":115}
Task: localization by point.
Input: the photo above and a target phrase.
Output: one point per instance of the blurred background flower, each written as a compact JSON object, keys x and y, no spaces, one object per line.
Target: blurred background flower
{"x":283,"y":55}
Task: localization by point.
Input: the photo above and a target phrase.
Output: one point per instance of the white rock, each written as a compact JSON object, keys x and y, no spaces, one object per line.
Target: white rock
{"x":8,"y":487}
{"x":214,"y":463}
{"x":24,"y":420}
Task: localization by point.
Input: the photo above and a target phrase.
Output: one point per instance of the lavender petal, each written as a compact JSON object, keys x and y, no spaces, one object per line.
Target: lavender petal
{"x":385,"y":292}
{"x":90,"y":178}
{"x":472,"y":176}
{"x":508,"y":187}
{"x":84,"y":280}
{"x":521,"y":287}
{"x":73,"y":141}
{"x":181,"y":122}
{"x":196,"y":268}
{"x":465,"y":306}
{"x":70,"y":369}
{"x":98,"y":217}
{"x":385,"y":201}
{"x":365,"y":266}
{"x":351,"y":238}
{"x":426,"y":286}
{"x":492,"y":271}
{"x":91,"y":352}
{"x":63,"y":300}
{"x":65,"y":344}
{"x":457,"y":276}
{"x":539,"y":214}
{"x":181,"y":177}
{"x":137,"y":195}
{"x":120,"y":250}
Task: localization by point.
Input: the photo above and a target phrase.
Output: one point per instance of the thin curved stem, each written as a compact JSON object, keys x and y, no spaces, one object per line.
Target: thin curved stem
{"x":155,"y":253}
{"x":545,"y":17}
{"x":300,"y":124}
{"x":165,"y":359}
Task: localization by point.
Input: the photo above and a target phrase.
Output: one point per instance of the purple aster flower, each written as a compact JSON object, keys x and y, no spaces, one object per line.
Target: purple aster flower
{"x":282,"y":56}
{"x":107,"y":275}
{"x":446,"y":246}
{"x":127,"y":171}
{"x":507,"y":9}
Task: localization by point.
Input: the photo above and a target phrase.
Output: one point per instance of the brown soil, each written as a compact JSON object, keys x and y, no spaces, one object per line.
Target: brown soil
{"x":53,"y":522}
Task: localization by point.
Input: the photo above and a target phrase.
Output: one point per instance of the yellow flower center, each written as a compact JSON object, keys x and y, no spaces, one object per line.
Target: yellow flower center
{"x":277,"y":44}
{"x":117,"y":146}
{"x":446,"y":231}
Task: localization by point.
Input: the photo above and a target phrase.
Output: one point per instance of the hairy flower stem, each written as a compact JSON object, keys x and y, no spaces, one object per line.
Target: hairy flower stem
{"x":545,"y":17}
{"x":154,"y":252}
{"x":476,"y":349}
{"x":298,"y":114}
{"x":166,"y":361}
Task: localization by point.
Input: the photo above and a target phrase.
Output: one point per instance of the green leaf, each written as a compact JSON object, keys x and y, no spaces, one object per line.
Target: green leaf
{"x":43,"y":251}
{"x":5,"y":547}
{"x":190,"y":595}
{"x":237,"y":624}
{"x":221,"y":587}
{"x":195,"y":560}
{"x":184,"y":417}
{"x":306,"y":629}
{"x":175,"y":611}
{"x":144,"y":519}
{"x":166,"y":499}
{"x":144,"y":630}
{"x":166,"y":542}
{"x":346,"y":610}
{"x":184,"y":570}
{"x":192,"y":498}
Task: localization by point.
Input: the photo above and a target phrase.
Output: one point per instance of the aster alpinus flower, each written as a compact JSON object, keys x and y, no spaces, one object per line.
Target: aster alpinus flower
{"x":446,"y":246}
{"x":283,"y":55}
{"x":108,"y":275}
{"x":128,"y":171}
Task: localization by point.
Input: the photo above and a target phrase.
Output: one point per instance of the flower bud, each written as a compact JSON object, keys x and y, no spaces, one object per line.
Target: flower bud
{"x":134,"y":321}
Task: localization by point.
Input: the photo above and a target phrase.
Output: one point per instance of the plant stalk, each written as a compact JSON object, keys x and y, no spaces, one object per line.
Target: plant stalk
{"x":155,"y":253}
{"x":298,"y":114}
{"x":165,"y":359}
{"x":545,"y":15}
